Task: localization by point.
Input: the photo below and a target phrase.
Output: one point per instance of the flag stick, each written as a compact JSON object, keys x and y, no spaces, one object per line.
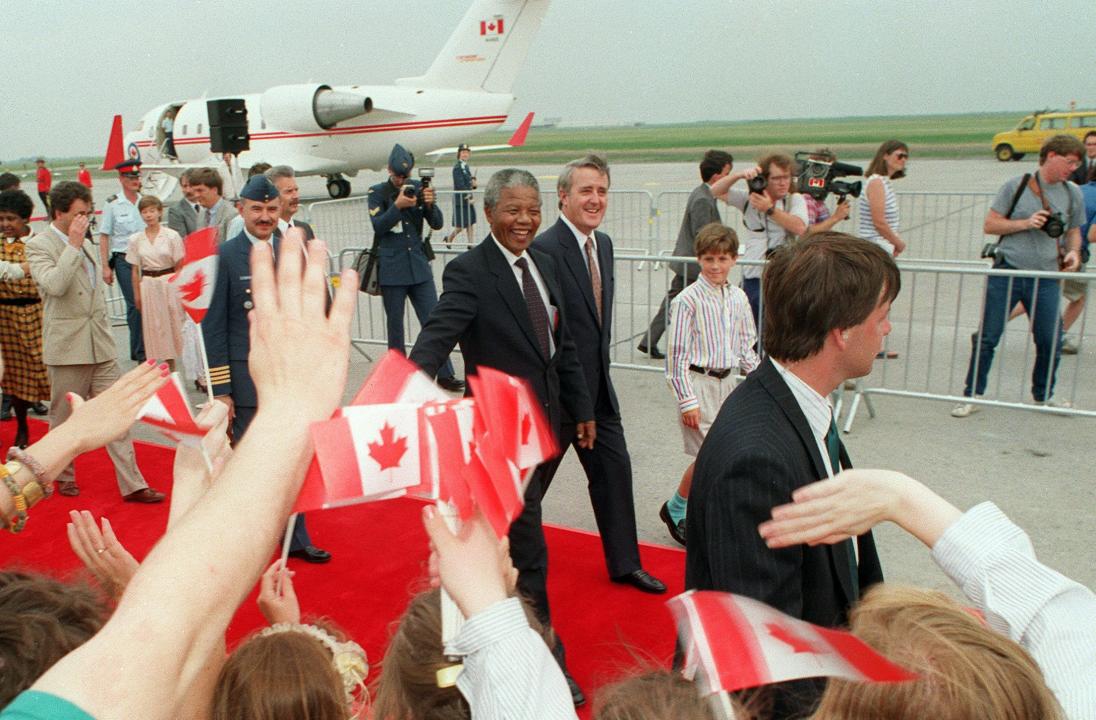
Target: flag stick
{"x":286,"y":540}
{"x":721,"y":704}
{"x":205,"y":368}
{"x":452,"y":620}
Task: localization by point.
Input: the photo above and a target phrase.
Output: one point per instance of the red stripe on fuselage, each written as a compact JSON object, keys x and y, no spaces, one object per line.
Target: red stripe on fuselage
{"x":355,"y":130}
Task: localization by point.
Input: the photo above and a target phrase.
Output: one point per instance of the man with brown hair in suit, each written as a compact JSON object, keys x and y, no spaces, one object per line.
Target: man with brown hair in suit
{"x":826,"y":302}
{"x":77,"y":346}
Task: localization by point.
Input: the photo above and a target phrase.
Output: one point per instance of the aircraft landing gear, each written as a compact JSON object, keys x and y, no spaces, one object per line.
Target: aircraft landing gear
{"x":338,"y":187}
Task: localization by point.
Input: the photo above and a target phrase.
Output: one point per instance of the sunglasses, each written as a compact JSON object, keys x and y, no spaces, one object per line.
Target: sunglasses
{"x":902,"y":156}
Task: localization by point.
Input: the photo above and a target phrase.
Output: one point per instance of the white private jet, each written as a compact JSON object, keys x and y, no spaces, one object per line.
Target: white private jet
{"x":336,"y":131}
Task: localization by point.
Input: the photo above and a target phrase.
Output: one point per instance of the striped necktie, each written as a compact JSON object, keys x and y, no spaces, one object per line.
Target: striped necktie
{"x":534,"y":303}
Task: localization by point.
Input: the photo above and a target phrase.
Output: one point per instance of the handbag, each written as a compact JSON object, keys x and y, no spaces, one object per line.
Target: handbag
{"x":368,"y":268}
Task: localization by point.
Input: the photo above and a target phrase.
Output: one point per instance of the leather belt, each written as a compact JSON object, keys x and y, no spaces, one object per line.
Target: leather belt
{"x":717,"y":374}
{"x":157,"y":273}
{"x":21,"y":301}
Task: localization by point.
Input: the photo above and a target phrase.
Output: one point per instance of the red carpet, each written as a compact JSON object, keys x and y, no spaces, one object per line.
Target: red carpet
{"x":379,"y":552}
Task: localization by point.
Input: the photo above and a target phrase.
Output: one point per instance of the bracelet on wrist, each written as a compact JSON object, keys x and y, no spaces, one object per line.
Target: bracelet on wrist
{"x":18,"y":519}
{"x":23,"y":457}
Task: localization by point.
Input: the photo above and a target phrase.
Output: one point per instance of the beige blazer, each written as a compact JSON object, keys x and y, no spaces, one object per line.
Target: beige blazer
{"x":75,"y":330}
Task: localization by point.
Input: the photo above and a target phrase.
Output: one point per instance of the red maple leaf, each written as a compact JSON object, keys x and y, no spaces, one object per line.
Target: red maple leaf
{"x":786,"y":636}
{"x":390,"y":449}
{"x":526,"y":426}
{"x":191,"y":291}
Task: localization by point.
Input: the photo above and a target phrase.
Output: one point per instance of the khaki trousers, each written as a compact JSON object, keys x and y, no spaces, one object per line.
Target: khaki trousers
{"x":87,"y":381}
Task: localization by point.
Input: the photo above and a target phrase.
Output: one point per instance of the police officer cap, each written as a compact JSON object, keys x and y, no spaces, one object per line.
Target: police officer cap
{"x":260,"y":189}
{"x":400,"y":160}
{"x":129,"y":168}
{"x":462,"y":147}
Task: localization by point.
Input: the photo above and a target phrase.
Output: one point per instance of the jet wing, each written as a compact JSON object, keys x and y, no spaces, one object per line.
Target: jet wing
{"x":516,"y":140}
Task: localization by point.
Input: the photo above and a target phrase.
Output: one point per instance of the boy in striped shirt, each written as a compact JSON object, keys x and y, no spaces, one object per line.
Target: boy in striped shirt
{"x":712,"y":341}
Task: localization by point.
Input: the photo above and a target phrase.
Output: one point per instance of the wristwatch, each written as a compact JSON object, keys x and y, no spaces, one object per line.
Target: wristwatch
{"x":771,"y":209}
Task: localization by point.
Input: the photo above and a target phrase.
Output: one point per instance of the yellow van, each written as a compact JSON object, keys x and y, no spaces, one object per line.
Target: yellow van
{"x":1029,"y":135}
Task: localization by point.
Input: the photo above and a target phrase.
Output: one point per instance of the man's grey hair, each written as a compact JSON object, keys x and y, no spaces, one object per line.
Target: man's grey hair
{"x":593,"y":161}
{"x":508,"y":178}
{"x":278,"y":172}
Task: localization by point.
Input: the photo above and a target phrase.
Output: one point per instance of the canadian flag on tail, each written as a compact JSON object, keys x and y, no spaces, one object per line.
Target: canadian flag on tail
{"x":195,"y":280}
{"x":494,"y":26}
{"x":169,"y":411}
{"x":734,"y":642}
{"x":368,"y":452}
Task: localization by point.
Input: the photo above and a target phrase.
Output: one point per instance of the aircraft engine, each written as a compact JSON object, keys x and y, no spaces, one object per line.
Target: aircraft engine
{"x":310,"y":107}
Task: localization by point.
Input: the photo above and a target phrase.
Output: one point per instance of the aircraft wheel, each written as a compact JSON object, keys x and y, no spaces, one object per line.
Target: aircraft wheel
{"x":344,"y":188}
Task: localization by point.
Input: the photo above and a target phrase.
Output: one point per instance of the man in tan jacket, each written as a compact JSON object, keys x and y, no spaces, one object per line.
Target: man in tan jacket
{"x":77,"y":346}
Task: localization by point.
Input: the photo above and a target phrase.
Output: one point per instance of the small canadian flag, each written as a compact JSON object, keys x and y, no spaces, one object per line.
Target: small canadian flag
{"x":734,"y":642}
{"x":494,"y":26}
{"x":169,"y":411}
{"x":369,"y":452}
{"x":195,"y":280}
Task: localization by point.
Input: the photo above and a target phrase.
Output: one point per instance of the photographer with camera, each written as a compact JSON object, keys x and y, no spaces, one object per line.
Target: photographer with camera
{"x":772,"y":214}
{"x":397,"y":208}
{"x":819,"y":217}
{"x":1032,"y":215}
{"x":879,"y":205}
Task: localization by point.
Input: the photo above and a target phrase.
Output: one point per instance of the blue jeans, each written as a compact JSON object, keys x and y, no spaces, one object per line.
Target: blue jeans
{"x":123,"y":272}
{"x":752,"y":288}
{"x":1040,"y":300}
{"x":423,"y":298}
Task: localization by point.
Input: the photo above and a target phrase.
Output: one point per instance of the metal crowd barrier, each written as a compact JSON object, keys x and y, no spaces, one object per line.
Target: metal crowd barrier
{"x":933,"y":322}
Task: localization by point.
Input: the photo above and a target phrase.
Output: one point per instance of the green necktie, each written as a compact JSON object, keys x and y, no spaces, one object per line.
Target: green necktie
{"x":833,"y":446}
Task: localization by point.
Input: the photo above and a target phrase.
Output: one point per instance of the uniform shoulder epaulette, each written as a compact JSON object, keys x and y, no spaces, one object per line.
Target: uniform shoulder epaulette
{"x":111,"y":199}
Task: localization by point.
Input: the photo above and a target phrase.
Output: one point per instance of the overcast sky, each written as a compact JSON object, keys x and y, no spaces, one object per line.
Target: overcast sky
{"x":70,"y":66}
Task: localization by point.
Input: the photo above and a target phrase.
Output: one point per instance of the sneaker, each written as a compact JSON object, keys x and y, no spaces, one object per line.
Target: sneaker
{"x":1052,"y":403}
{"x":1069,"y":345}
{"x":963,"y":410}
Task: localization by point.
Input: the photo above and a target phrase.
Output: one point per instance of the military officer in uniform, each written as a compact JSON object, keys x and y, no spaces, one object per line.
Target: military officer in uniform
{"x":397,"y":208}
{"x":225,"y":326}
{"x":464,"y":210}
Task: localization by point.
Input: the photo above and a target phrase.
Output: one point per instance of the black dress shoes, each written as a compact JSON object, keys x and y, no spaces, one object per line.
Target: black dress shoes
{"x":20,"y":440}
{"x":39,"y":408}
{"x":654,"y":352}
{"x":577,"y":696}
{"x":311,"y":554}
{"x":677,"y":530}
{"x":451,"y":384}
{"x":642,"y":580}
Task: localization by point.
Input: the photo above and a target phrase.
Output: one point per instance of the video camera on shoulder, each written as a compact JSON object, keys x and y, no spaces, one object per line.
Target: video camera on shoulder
{"x":818,"y":177}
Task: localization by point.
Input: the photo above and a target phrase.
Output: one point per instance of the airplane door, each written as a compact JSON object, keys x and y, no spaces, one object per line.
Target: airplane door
{"x":165,"y":132}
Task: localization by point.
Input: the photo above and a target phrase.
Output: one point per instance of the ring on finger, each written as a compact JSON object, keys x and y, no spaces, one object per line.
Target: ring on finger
{"x":100,"y":551}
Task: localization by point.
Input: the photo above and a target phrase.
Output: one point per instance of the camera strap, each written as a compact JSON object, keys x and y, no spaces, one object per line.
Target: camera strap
{"x":1016,"y":196}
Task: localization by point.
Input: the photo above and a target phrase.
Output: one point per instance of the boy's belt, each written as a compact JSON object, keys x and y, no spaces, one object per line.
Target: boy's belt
{"x":717,"y":374}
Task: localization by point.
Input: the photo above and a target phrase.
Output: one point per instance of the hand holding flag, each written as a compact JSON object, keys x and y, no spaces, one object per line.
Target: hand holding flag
{"x":734,"y":642}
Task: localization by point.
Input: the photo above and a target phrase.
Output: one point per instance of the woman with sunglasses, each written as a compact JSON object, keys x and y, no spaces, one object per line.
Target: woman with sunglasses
{"x":878,"y":204}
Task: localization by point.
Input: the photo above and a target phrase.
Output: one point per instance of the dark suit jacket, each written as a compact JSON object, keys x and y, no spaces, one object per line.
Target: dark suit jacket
{"x":1080,"y":175}
{"x":225,"y":327}
{"x":591,"y":338}
{"x":758,"y":451}
{"x":483,"y":309}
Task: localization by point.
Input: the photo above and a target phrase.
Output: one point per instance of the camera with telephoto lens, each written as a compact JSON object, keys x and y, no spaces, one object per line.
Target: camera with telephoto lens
{"x":1055,"y":226}
{"x":757,"y":183}
{"x":818,"y":177}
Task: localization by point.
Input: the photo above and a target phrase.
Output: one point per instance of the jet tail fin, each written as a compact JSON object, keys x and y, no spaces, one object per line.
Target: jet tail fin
{"x":115,"y":153}
{"x":487,"y":48}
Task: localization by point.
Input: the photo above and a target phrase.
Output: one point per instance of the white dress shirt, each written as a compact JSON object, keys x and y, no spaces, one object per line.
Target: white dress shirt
{"x":553,"y":312}
{"x":817,"y":409}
